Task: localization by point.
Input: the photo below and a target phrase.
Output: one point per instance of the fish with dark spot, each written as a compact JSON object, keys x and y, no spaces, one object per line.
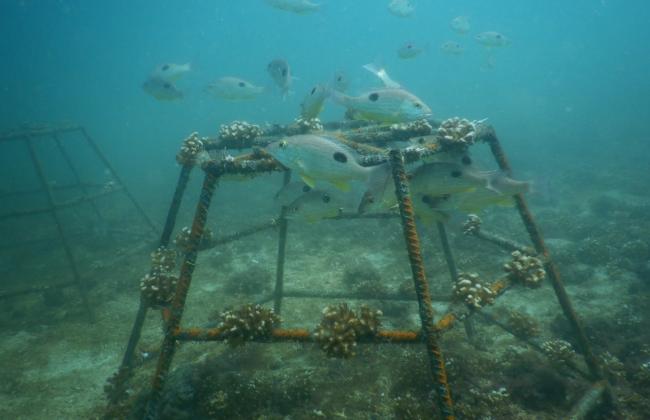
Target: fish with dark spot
{"x":161,"y":89}
{"x":314,"y":102}
{"x":234,"y":89}
{"x":280,"y":72}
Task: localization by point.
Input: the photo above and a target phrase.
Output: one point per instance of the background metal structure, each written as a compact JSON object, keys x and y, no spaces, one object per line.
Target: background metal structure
{"x":58,"y":135}
{"x":431,"y":329}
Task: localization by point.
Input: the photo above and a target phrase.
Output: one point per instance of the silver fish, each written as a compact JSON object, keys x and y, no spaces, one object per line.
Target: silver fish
{"x":314,"y":102}
{"x":299,"y":7}
{"x":401,"y":8}
{"x":162,"y":90}
{"x":281,"y":74}
{"x":452,"y":48}
{"x":492,"y":39}
{"x":384,"y":105}
{"x":321,"y":160}
{"x":409,"y":50}
{"x":170,"y":72}
{"x":460,"y":24}
{"x":305,"y":203}
{"x":234,"y":89}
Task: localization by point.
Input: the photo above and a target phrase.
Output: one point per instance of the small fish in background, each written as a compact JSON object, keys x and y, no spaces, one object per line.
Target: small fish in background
{"x":340,"y":81}
{"x":410,"y":50}
{"x":234,"y":89}
{"x":452,"y":48}
{"x":162,"y":90}
{"x":314,"y":102}
{"x":401,"y":8}
{"x":299,"y":7}
{"x":170,"y":72}
{"x":280,"y":72}
{"x":460,"y":25}
{"x":492,"y":39}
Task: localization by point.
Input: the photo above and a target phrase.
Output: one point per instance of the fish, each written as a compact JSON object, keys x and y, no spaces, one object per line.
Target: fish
{"x":409,"y":50}
{"x":281,"y":74}
{"x":162,"y":90}
{"x":234,"y":89}
{"x":452,"y":48}
{"x":382,"y":75}
{"x":401,"y":8}
{"x":319,"y":160}
{"x":384,"y":105}
{"x":170,"y":72}
{"x":439,"y":188}
{"x":314,"y":102}
{"x":305,"y":203}
{"x":460,"y":24}
{"x":492,"y":39}
{"x":340,"y":81}
{"x":300,"y":7}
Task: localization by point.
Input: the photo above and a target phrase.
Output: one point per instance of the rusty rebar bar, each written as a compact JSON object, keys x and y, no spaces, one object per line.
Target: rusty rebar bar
{"x":551,"y":270}
{"x":500,"y":241}
{"x":168,"y":347}
{"x":279,"y":335}
{"x":453,"y":272}
{"x":282,"y":249}
{"x":81,"y":285}
{"x":436,"y":360}
{"x":172,"y":213}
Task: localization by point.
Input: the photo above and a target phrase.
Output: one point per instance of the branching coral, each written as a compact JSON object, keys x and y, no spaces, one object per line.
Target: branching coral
{"x":157,"y":288}
{"x":522,"y":325}
{"x":306,"y":125}
{"x":470,"y":289}
{"x":249,"y":322}
{"x":457,"y":133}
{"x":239,"y":134}
{"x":525,"y":269}
{"x":559,"y":351}
{"x":163,"y":260}
{"x":472,"y":225}
{"x":340,"y":328}
{"x":190,"y":150}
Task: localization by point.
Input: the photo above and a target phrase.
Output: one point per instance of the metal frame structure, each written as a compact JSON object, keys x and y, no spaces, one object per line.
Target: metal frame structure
{"x":431,"y":328}
{"x":58,"y":136}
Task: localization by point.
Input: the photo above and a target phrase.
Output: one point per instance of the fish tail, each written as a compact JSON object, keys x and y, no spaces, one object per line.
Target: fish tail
{"x":382,"y":75}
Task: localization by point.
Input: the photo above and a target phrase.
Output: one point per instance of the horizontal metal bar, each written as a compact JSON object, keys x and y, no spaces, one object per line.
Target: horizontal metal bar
{"x":8,"y":294}
{"x":38,"y":132}
{"x":295,"y":335}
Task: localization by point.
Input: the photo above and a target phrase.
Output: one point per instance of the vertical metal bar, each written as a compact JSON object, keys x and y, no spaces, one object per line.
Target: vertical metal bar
{"x":168,"y":347}
{"x":551,"y":270}
{"x":453,"y":272}
{"x":138,"y":323}
{"x":282,"y":246}
{"x":66,"y":247}
{"x":436,"y":361}
{"x":114,"y":174}
{"x":75,"y":174}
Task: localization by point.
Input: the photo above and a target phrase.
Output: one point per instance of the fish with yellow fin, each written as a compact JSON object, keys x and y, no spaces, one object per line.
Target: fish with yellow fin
{"x":319,"y":160}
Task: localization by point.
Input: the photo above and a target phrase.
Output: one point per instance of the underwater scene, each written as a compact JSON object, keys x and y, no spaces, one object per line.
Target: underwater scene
{"x":324,"y":209}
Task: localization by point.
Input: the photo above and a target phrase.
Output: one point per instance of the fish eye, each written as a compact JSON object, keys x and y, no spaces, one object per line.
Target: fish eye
{"x":283,"y":144}
{"x":340,"y":157}
{"x":326,"y":198}
{"x":373,"y":97}
{"x":306,"y":188}
{"x":339,"y":78}
{"x":418,"y":105}
{"x":241,"y":84}
{"x":165,"y":67}
{"x":466,"y":160}
{"x":284,"y":72}
{"x":456,"y":174}
{"x":167,"y":85}
{"x":313,"y":90}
